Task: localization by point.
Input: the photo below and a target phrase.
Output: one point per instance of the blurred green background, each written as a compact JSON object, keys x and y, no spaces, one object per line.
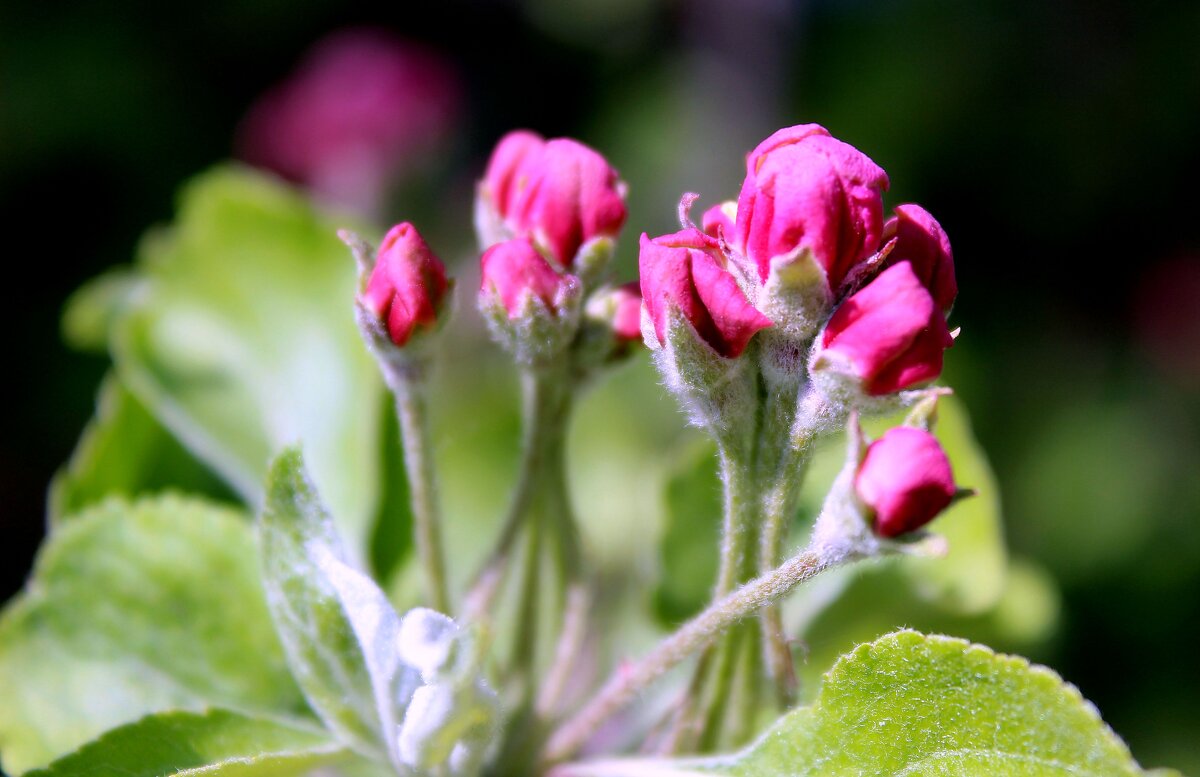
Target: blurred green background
{"x":1057,"y":143}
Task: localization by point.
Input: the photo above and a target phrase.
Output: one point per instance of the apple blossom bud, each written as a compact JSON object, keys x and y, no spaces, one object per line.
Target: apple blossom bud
{"x":922,"y":242}
{"x":806,"y":190}
{"x":514,"y":271}
{"x":904,"y":480}
{"x":560,"y":193}
{"x":612,"y":327}
{"x":888,"y":336}
{"x":621,"y":307}
{"x":686,"y":272}
{"x":407,"y":284}
{"x":531,"y":308}
{"x":718,"y":220}
{"x":362,"y":111}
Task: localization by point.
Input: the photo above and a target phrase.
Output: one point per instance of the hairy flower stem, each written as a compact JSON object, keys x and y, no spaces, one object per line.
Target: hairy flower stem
{"x":406,"y":379}
{"x":783,"y":460}
{"x":695,"y":635}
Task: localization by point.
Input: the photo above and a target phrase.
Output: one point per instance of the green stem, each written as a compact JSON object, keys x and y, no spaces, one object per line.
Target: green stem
{"x":408,"y":389}
{"x":576,"y":598}
{"x":782,"y":463}
{"x":545,"y":403}
{"x":698,"y":633}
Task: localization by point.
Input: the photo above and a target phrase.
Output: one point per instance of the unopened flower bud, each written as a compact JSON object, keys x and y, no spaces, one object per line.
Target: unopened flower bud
{"x":515,"y":272}
{"x":559,"y":193}
{"x":888,"y":336}
{"x":620,"y":309}
{"x":697,"y":323}
{"x":806,"y":191}
{"x":904,"y":480}
{"x":407,"y":285}
{"x":686,"y":272}
{"x":532,"y":309}
{"x":612,"y":327}
{"x":922,"y":242}
{"x":718,"y":220}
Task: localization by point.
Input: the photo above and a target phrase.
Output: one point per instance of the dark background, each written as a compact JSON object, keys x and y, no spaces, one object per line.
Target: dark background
{"x":1057,"y":142}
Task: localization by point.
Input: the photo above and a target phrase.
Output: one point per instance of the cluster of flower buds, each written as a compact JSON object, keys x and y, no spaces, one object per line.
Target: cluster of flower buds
{"x":848,"y":303}
{"x":547,"y":213}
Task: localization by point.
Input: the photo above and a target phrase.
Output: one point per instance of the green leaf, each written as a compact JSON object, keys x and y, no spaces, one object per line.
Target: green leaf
{"x":215,"y":743}
{"x":360,"y":666}
{"x":692,"y":537}
{"x":242,"y":340}
{"x":125,"y":451}
{"x":909,"y":704}
{"x":94,"y":308}
{"x":318,"y":636}
{"x":133,"y":609}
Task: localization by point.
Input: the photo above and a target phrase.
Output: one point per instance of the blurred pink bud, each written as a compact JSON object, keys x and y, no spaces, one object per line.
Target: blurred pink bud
{"x":686,"y":271}
{"x":503,"y":176}
{"x":889,"y":336}
{"x":805,"y":189}
{"x":922,"y":242}
{"x":627,"y":315}
{"x":558,"y":192}
{"x":361,"y":108}
{"x":905,"y":480}
{"x":408,"y":284}
{"x":514,"y":269}
{"x":716,"y":222}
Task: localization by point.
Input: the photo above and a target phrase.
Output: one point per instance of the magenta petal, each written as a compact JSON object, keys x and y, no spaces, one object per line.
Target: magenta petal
{"x":734,"y":319}
{"x":906,"y":479}
{"x":921,"y":241}
{"x":684,"y":271}
{"x":562,"y":193}
{"x":503,"y":178}
{"x":805,"y":189}
{"x":890,"y":331}
{"x":716,"y":223}
{"x":515,"y":267}
{"x":407,"y":285}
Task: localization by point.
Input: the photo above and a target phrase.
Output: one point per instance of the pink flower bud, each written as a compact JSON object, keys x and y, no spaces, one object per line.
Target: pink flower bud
{"x":503,"y":176}
{"x":559,"y":192}
{"x":627,"y":316}
{"x":686,"y":271}
{"x":922,"y":242}
{"x":890,"y":335}
{"x":514,"y":269}
{"x":360,"y":111}
{"x":716,"y":221}
{"x":905,"y":480}
{"x":408,"y":284}
{"x":805,"y":189}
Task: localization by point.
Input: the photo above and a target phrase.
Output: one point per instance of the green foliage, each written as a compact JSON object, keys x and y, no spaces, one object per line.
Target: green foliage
{"x":909,"y":704}
{"x":318,"y":636}
{"x":133,"y":609}
{"x":125,"y":452}
{"x":241,"y":340}
{"x":689,"y":550}
{"x":216,"y":743}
